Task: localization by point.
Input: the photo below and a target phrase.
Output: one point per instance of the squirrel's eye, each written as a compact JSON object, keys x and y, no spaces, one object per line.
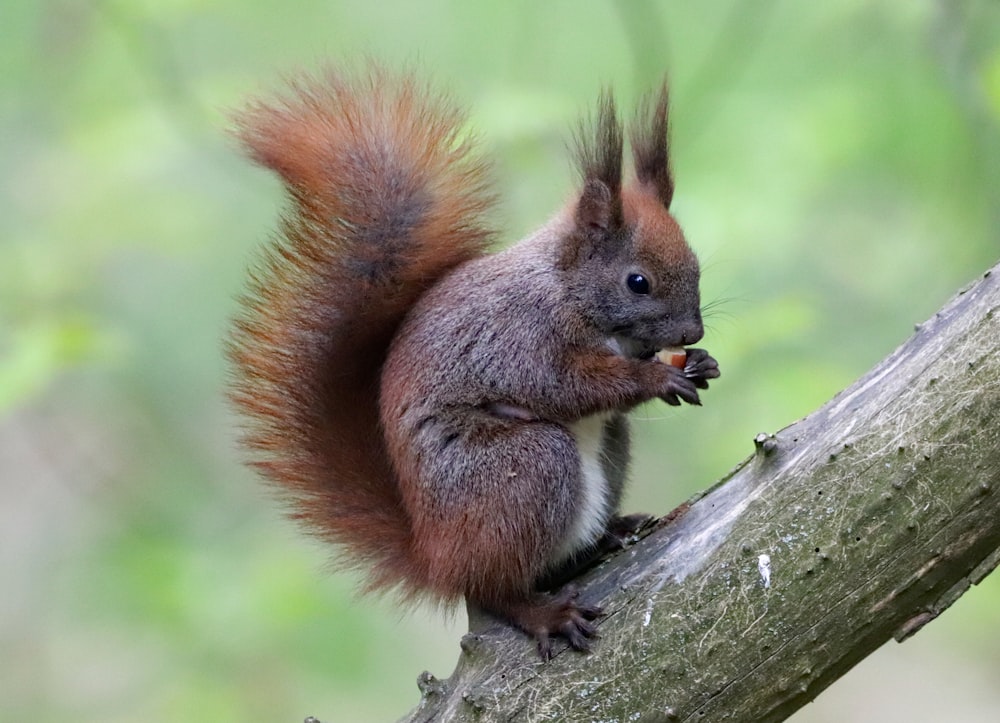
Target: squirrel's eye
{"x":637,"y":284}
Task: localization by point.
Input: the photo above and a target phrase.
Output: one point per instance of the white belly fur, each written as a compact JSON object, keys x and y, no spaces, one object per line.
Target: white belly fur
{"x":592,"y":513}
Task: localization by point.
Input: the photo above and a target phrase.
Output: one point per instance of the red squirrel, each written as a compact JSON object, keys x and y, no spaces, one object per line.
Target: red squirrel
{"x":453,"y":420}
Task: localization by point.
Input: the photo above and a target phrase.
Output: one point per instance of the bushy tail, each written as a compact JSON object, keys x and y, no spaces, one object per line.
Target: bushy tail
{"x":385,"y":197}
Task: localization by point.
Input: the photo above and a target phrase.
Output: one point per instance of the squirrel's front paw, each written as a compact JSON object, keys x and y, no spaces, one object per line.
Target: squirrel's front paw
{"x":700,"y":367}
{"x":677,"y":387}
{"x":679,"y":377}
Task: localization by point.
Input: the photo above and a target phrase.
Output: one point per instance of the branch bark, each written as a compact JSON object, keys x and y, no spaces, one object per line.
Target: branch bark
{"x":862,"y":522}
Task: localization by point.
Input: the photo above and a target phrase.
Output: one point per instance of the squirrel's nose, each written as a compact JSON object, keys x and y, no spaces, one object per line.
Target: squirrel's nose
{"x":692,"y":331}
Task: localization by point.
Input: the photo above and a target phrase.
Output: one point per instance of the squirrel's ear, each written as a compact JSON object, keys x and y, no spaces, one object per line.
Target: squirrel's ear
{"x":597,"y":208}
{"x":651,"y":146}
{"x":598,"y":211}
{"x":596,"y":216}
{"x":599,"y":156}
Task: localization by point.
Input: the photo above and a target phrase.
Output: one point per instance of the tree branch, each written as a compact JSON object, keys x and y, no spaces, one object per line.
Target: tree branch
{"x":859,"y":523}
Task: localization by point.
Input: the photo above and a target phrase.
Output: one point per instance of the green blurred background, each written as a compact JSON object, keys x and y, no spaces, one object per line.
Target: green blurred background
{"x":838,"y":169}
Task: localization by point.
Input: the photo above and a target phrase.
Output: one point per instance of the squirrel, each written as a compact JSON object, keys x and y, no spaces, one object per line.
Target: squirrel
{"x":453,"y":419}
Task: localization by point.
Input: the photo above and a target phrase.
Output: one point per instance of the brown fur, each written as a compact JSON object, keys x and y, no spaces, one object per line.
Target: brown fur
{"x":429,"y":408}
{"x":385,"y":198}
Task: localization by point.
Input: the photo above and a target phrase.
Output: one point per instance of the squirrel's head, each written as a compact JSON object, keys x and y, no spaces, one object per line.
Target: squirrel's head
{"x":626,"y":262}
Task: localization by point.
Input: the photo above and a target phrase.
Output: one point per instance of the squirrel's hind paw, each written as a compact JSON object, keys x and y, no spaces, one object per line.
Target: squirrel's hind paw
{"x":560,"y":615}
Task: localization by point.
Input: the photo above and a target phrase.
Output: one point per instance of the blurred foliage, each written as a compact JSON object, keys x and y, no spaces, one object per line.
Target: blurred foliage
{"x":838,"y":172}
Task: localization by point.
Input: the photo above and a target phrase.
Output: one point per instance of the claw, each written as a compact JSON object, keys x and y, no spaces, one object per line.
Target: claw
{"x":578,"y":633}
{"x":690,"y":396}
{"x":544,"y":646}
{"x":700,"y":367}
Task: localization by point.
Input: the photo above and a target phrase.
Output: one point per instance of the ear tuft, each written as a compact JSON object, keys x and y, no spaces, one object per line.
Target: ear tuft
{"x":651,"y":146}
{"x":599,"y":156}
